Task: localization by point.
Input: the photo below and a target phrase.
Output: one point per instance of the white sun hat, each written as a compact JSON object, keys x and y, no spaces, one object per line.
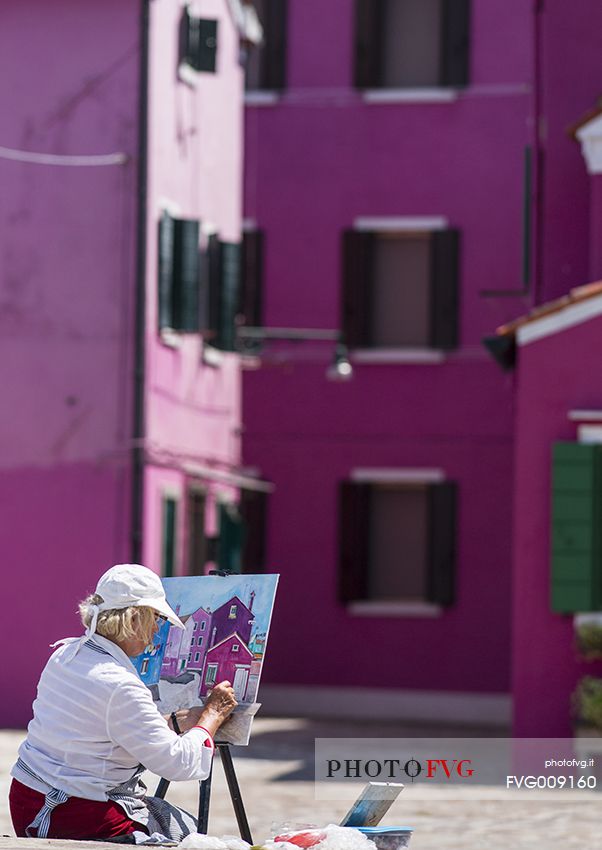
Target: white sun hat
{"x":124,"y":586}
{"x":131,"y":585}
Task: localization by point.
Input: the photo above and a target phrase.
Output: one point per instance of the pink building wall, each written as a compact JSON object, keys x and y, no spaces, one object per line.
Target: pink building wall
{"x":317,"y":157}
{"x":69,"y":87}
{"x":192,"y":409}
{"x":552,"y":379}
{"x":67,"y":302}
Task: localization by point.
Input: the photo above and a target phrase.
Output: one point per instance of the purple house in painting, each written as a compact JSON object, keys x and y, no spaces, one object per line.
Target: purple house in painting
{"x":230,"y":659}
{"x":232,"y":616}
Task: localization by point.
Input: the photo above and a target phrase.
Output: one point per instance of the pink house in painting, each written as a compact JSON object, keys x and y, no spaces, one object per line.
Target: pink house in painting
{"x":229,"y":659}
{"x":409,"y":186}
{"x":120,"y":439}
{"x":200,"y":639}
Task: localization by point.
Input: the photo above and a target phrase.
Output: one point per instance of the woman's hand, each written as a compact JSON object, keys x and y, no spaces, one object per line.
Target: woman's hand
{"x":220,"y":703}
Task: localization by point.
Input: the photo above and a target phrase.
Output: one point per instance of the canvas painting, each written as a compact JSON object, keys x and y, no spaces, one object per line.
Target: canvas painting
{"x":227,"y":620}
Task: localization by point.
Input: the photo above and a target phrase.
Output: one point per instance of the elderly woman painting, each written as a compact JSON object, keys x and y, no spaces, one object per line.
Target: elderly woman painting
{"x":95,"y":726}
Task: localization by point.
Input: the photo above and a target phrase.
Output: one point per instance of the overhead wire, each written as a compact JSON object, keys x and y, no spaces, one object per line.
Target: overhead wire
{"x":63,"y":160}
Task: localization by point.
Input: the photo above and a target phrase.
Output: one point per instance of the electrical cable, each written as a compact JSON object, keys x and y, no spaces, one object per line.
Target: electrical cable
{"x":59,"y":159}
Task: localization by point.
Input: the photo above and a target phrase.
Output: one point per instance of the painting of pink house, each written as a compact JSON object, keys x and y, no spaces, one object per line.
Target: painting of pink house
{"x":227,"y":621}
{"x":177,"y":648}
{"x":200,"y":635}
{"x":230,"y":659}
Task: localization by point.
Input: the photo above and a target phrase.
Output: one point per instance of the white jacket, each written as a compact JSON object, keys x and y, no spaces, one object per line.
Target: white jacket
{"x":95,"y":722}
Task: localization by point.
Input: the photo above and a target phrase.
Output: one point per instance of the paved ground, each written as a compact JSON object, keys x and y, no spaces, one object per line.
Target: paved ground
{"x":276,"y":778}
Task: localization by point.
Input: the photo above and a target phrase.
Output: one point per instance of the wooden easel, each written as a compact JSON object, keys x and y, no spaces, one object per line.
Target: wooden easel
{"x":205,"y":795}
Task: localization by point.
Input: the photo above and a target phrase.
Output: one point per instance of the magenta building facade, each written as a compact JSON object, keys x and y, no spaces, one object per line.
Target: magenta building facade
{"x":121,"y":429}
{"x":470,"y":153}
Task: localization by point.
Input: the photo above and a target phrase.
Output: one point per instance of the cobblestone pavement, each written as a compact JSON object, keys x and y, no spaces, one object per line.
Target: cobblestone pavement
{"x":276,"y":778}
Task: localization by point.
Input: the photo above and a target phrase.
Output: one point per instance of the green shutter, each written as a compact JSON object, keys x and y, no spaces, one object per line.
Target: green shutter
{"x":169,"y":537}
{"x":166,"y":259}
{"x":186,"y":275}
{"x":228,"y":298}
{"x":205,"y":60}
{"x":576,"y":551}
{"x":229,"y":547}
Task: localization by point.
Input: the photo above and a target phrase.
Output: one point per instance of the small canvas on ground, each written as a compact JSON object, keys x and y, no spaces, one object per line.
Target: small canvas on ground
{"x":227,"y":620}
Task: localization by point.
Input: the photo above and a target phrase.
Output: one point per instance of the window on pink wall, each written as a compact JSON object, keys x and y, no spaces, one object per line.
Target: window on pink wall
{"x":400,"y":289}
{"x":197,"y":539}
{"x":411,"y":43}
{"x":266,"y":65}
{"x":397,"y":542}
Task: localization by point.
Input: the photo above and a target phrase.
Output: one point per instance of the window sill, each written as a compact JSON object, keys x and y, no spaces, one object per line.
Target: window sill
{"x":250,"y":361}
{"x":261,"y":97}
{"x":170,"y":338}
{"x":425,"y":95}
{"x":187,"y":74}
{"x":394,"y":609}
{"x":398,"y":355}
{"x":212,"y":356}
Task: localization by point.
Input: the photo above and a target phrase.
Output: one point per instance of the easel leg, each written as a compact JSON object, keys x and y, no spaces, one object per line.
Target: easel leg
{"x":237,"y":803}
{"x":162,"y":788}
{"x":204,"y":798}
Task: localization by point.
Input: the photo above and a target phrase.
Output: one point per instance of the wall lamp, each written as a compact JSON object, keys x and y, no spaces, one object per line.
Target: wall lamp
{"x":251,"y":340}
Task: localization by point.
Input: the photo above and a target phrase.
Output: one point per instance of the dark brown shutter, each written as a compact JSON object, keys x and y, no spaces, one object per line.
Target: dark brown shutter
{"x":368,"y":27}
{"x":250,"y":304}
{"x":274,"y":49}
{"x":444,"y":289}
{"x":455,"y":42}
{"x":197,"y":540}
{"x":354,"y":540}
{"x":165,"y":282}
{"x":442,"y":543}
{"x":253,"y":509}
{"x":357,"y":265}
{"x":186,"y":275}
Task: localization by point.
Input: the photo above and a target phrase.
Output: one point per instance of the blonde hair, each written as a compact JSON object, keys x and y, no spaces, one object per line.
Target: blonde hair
{"x":118,"y":624}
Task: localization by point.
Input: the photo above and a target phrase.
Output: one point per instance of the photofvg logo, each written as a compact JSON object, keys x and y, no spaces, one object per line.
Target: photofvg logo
{"x":499,"y":766}
{"x":396,"y":769}
{"x":405,"y":761}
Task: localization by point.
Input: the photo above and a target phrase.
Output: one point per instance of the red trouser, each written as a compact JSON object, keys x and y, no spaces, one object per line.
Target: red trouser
{"x":75,"y":819}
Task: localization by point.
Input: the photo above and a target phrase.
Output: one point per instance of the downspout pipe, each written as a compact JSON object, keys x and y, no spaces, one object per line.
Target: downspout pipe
{"x":138,"y":424}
